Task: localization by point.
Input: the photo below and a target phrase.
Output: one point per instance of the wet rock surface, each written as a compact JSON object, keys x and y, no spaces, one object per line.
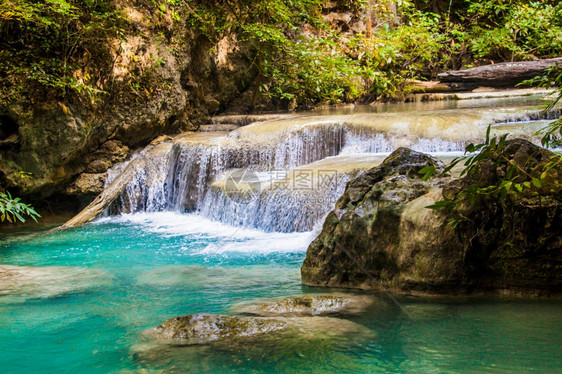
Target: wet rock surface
{"x":193,"y":334}
{"x":237,"y":340}
{"x":204,"y":328}
{"x":382,"y":235}
{"x":18,"y":283}
{"x":305,"y":305}
{"x":283,"y":321}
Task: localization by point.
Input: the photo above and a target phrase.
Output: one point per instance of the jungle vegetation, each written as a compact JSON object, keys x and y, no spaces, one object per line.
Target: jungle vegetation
{"x":299,"y":56}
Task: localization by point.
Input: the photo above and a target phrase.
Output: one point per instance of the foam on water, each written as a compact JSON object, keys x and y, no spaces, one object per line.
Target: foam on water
{"x":230,"y":238}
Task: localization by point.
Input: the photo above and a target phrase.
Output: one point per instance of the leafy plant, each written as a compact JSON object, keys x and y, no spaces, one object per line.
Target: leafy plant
{"x":514,"y":30}
{"x":45,"y":44}
{"x":514,"y":179}
{"x":551,"y":134}
{"x":12,"y":209}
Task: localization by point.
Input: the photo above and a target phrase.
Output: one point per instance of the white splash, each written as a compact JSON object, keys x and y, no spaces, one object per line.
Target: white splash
{"x":225,"y":238}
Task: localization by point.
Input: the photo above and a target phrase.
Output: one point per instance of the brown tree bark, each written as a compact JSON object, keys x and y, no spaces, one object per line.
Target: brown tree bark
{"x":501,"y":75}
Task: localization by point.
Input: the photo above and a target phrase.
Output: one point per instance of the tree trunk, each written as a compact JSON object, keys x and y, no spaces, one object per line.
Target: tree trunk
{"x":502,"y":75}
{"x":105,"y":198}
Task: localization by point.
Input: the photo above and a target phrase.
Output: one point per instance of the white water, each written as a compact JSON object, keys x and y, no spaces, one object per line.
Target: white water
{"x":233,"y":239}
{"x":190,"y":173}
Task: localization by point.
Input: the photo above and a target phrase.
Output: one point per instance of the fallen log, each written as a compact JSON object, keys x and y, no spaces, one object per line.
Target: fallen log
{"x":501,"y":75}
{"x":105,"y":198}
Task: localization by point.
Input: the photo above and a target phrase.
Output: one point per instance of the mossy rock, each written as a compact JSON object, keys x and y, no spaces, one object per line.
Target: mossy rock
{"x":306,"y":305}
{"x":381,"y":234}
{"x":203,"y":328}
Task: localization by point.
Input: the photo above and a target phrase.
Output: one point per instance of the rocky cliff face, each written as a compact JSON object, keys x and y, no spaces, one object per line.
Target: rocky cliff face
{"x":382,"y":235}
{"x":158,"y":74}
{"x":161,"y":77}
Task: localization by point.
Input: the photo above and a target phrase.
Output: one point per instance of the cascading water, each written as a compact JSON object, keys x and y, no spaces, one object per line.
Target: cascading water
{"x":286,"y":201}
{"x":191,"y":173}
{"x":178,"y":178}
{"x":82,"y":300}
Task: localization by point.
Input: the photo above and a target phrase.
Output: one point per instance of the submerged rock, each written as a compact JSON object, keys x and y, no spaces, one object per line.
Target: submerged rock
{"x":204,"y":328}
{"x":382,"y":235}
{"x":200,"y":277}
{"x":277,"y":341}
{"x":312,"y":305}
{"x":18,"y":283}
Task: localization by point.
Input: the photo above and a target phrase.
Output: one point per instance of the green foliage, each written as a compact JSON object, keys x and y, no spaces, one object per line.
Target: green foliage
{"x":45,"y":43}
{"x":60,"y":47}
{"x":12,"y":209}
{"x":517,"y":179}
{"x":552,"y":134}
{"x":291,"y":66}
{"x":514,"y":30}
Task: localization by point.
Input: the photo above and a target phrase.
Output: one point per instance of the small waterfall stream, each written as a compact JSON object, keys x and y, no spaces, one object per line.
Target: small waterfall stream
{"x":295,"y":168}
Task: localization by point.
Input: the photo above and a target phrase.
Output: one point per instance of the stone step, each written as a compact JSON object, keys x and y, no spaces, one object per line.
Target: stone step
{"x":218,"y":127}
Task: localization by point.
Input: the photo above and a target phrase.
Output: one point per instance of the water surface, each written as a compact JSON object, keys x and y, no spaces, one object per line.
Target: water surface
{"x":151,"y":267}
{"x":78,"y":301}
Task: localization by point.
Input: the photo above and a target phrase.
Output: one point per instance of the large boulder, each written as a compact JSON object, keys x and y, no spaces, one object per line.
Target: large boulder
{"x":381,"y":235}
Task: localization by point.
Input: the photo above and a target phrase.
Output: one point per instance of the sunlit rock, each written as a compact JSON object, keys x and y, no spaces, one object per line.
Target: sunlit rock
{"x":310,"y":338}
{"x":204,"y":328}
{"x":313,"y":305}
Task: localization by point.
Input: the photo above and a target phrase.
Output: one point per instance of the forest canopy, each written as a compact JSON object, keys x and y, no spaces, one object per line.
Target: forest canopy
{"x":300,"y":56}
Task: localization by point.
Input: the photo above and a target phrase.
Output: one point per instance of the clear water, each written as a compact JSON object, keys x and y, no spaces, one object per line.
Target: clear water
{"x":84,"y":296}
{"x":151,"y":267}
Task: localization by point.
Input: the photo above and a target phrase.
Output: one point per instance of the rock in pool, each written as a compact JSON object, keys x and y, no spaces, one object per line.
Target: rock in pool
{"x":311,"y":305}
{"x":18,"y":283}
{"x":203,"y":328}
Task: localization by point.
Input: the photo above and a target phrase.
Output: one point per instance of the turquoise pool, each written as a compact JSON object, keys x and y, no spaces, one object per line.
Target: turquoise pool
{"x":122,"y":275}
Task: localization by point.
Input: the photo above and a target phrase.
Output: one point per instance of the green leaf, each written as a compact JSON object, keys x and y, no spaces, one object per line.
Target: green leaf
{"x":427,"y":172}
{"x":507,"y":186}
{"x":441,"y":204}
{"x":537,"y":182}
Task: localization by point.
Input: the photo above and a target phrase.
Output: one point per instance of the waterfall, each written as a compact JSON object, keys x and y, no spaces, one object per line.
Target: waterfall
{"x":178,"y":178}
{"x":193,"y":172}
{"x":295,"y":202}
